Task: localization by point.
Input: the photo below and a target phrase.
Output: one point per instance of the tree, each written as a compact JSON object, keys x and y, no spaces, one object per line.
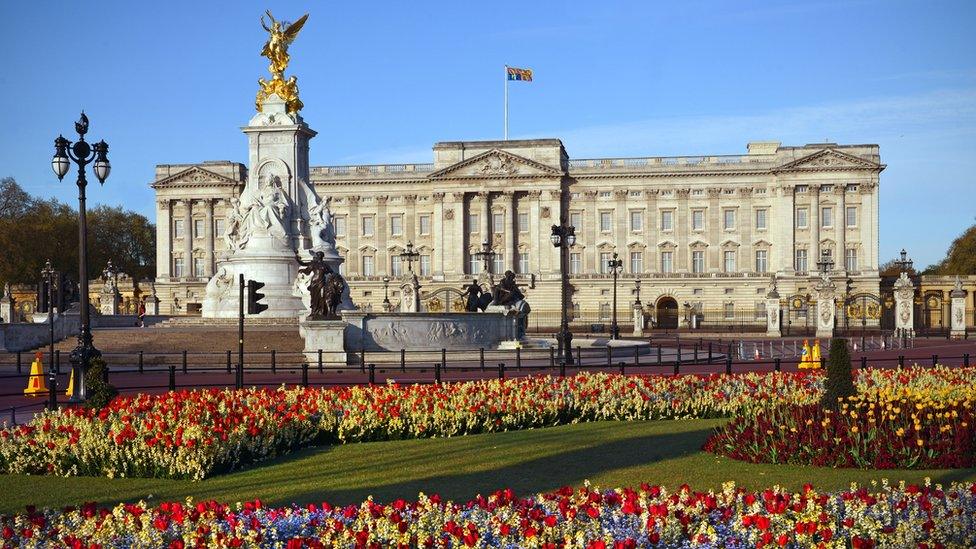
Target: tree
{"x":840,"y":379}
{"x":961,"y":257}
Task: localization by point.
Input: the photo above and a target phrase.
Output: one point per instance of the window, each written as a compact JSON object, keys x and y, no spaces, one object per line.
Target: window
{"x":604,"y":311}
{"x":605,"y":262}
{"x":761,"y":261}
{"x":396,"y":225}
{"x":218,"y":227}
{"x":827,"y":217}
{"x":802,"y":188}
{"x":575,"y":263}
{"x":606,"y":222}
{"x":523,"y":222}
{"x":667,"y":220}
{"x":523,"y":262}
{"x":851,"y":216}
{"x":636,"y":262}
{"x":697,"y":220}
{"x":635,"y":194}
{"x":473,"y":225}
{"x":396,"y":265}
{"x":425,"y":224}
{"x":198,"y":267}
{"x":729,"y":291}
{"x":498,"y":222}
{"x":801,"y":261}
{"x":729,"y":310}
{"x":667,"y":263}
{"x":729,"y":261}
{"x":604,"y":194}
{"x":367,"y":265}
{"x":340,"y":225}
{"x":801,"y":218}
{"x":425,"y":265}
{"x":698,"y":261}
{"x":368,"y":225}
{"x":637,"y":221}
{"x":850,"y":259}
{"x":197,"y":228}
{"x":698,"y":291}
{"x":728,"y":219}
{"x":761,"y":220}
{"x":177,"y":228}
{"x":178,"y":268}
{"x":498,"y":264}
{"x":474,"y":265}
{"x":576,"y":220}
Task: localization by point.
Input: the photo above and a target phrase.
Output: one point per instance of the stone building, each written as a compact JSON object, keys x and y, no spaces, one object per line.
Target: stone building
{"x":703,"y":233}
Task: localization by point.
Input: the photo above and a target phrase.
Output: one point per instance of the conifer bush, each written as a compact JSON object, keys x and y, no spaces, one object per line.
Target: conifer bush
{"x":840,"y":379}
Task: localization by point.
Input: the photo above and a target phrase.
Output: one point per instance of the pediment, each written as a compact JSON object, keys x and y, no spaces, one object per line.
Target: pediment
{"x":195,"y":177}
{"x":496,"y":164}
{"x":830,"y":160}
{"x":762,"y":242}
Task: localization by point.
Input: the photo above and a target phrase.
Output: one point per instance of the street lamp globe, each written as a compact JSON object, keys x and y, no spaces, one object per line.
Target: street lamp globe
{"x":571,"y":237}
{"x":555,"y":238}
{"x":60,"y":163}
{"x":102,"y":166}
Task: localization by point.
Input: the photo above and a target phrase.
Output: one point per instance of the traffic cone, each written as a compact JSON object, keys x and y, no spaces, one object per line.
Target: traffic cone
{"x":805,"y":356}
{"x":71,"y":383}
{"x":815,"y":357}
{"x":35,"y":384}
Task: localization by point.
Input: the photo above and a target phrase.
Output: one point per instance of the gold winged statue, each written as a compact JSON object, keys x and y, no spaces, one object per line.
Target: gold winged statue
{"x":276,"y":50}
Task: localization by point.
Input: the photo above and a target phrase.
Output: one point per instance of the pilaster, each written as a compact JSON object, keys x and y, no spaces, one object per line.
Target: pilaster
{"x":164,"y":238}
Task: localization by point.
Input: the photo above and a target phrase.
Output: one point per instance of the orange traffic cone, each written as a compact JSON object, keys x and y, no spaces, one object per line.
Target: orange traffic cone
{"x":35,"y":384}
{"x":71,"y":383}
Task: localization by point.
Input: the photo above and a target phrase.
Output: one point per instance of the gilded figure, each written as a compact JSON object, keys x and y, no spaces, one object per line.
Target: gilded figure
{"x":280,"y":35}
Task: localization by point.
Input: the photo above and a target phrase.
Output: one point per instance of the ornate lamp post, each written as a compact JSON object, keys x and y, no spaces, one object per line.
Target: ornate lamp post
{"x":905,"y":264}
{"x":386,"y":294}
{"x":82,"y":154}
{"x":49,"y":273}
{"x":637,"y":284}
{"x":487,"y":257}
{"x":563,"y":237}
{"x":826,"y":264}
{"x":614,"y":265}
{"x":409,"y":255}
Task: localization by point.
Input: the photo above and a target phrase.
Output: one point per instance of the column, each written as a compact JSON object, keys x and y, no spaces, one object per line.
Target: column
{"x":813,"y":256}
{"x":841,"y":227}
{"x":354,"y":225}
{"x":208,"y":236}
{"x":439,"y":222}
{"x":652,"y":231}
{"x":187,"y":237}
{"x":782,"y":229}
{"x":682,"y":255}
{"x":382,"y":233}
{"x":539,"y":230}
{"x":715,"y":230}
{"x":485,"y":235}
{"x":164,"y":238}
{"x":745,"y":218}
{"x":621,"y":225}
{"x":455,"y":250}
{"x":511,"y":253}
{"x":590,"y":232}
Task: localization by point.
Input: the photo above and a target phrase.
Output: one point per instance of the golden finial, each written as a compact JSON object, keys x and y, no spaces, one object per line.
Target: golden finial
{"x":276,"y":50}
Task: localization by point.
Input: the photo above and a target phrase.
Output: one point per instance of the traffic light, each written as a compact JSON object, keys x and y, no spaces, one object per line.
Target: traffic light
{"x":253,"y":296}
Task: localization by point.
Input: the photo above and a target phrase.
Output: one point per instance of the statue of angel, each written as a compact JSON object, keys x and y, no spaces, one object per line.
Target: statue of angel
{"x":322,"y":224}
{"x":276,"y":48}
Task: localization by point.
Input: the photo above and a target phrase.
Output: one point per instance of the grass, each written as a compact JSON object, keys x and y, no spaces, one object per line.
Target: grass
{"x":608,"y":454}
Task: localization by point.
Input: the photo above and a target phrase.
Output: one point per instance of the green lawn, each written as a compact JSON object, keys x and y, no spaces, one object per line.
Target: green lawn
{"x":609,"y":454}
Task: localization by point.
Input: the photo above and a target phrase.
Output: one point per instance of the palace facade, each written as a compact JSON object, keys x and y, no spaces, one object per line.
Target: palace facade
{"x":702,"y":233}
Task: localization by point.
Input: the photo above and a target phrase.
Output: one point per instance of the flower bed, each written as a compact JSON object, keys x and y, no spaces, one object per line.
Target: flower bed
{"x":903,"y":516}
{"x":192,"y":434}
{"x":935,"y":428}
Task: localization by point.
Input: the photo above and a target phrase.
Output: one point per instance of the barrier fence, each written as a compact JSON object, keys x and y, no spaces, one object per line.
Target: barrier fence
{"x":158,"y":371}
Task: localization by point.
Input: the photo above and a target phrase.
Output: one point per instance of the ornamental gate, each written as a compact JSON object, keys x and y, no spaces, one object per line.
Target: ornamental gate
{"x":443,"y":300}
{"x":861,"y":312}
{"x":798,"y":321}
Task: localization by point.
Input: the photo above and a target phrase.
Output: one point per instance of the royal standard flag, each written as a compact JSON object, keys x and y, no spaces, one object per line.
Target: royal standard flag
{"x":519,"y":74}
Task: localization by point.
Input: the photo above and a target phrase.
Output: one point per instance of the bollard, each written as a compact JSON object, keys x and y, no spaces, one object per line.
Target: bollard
{"x":437,"y":372}
{"x":518,"y":358}
{"x":659,"y":353}
{"x":562,"y":368}
{"x":864,"y":362}
{"x":403,"y":360}
{"x":320,"y":361}
{"x":372,"y":374}
{"x":481,"y":358}
{"x":552,"y":358}
{"x":935,"y":360}
{"x":140,"y":362}
{"x":501,"y":370}
{"x":636,"y":355}
{"x":728,"y":365}
{"x":172,"y":377}
{"x":19,"y":362}
{"x":677,"y":367}
{"x":228,"y":362}
{"x":823,"y":363}
{"x":709,"y":352}
{"x":609,"y":357}
{"x":679,"y":352}
{"x":622,"y":372}
{"x":444,"y":358}
{"x":901,"y":361}
{"x":239,"y":382}
{"x":52,"y":387}
{"x":13,"y":416}
{"x":776,"y":365}
{"x":362,"y":360}
{"x":57,"y":361}
{"x":696,"y":354}
{"x":273,"y":362}
{"x":184,"y":361}
{"x":579,"y":356}
{"x":304,"y":374}
{"x":965,"y":360}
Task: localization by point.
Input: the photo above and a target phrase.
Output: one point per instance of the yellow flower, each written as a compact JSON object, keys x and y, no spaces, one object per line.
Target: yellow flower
{"x":854,"y":429}
{"x":920,"y":442}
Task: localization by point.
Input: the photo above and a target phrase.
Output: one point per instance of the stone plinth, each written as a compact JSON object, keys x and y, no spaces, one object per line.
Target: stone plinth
{"x":410,"y":295}
{"x":152,"y":306}
{"x":326,"y":336}
{"x":957,"y":311}
{"x":904,"y":306}
{"x":773,"y":326}
{"x":108,"y":303}
{"x":638,"y":312}
{"x":376,"y":331}
{"x":7,"y":308}
{"x":826,"y":292}
{"x":277,"y":269}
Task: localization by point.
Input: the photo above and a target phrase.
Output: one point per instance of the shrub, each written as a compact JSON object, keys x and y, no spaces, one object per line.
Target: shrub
{"x":840,"y":380}
{"x":100,"y":391}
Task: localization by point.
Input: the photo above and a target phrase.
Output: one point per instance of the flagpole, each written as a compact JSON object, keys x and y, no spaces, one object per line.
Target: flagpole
{"x":506,"y":102}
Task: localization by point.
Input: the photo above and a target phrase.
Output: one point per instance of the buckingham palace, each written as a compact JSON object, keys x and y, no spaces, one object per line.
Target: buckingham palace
{"x":706,"y":233}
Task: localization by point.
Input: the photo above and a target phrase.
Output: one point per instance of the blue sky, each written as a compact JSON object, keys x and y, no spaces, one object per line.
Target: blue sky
{"x":171,"y":82}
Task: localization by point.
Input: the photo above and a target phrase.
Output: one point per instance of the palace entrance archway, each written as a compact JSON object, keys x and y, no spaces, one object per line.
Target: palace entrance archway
{"x":667,"y":313}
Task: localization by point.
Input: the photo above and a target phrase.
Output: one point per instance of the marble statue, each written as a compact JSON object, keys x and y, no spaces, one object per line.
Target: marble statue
{"x":321,"y":221}
{"x":218,"y":286}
